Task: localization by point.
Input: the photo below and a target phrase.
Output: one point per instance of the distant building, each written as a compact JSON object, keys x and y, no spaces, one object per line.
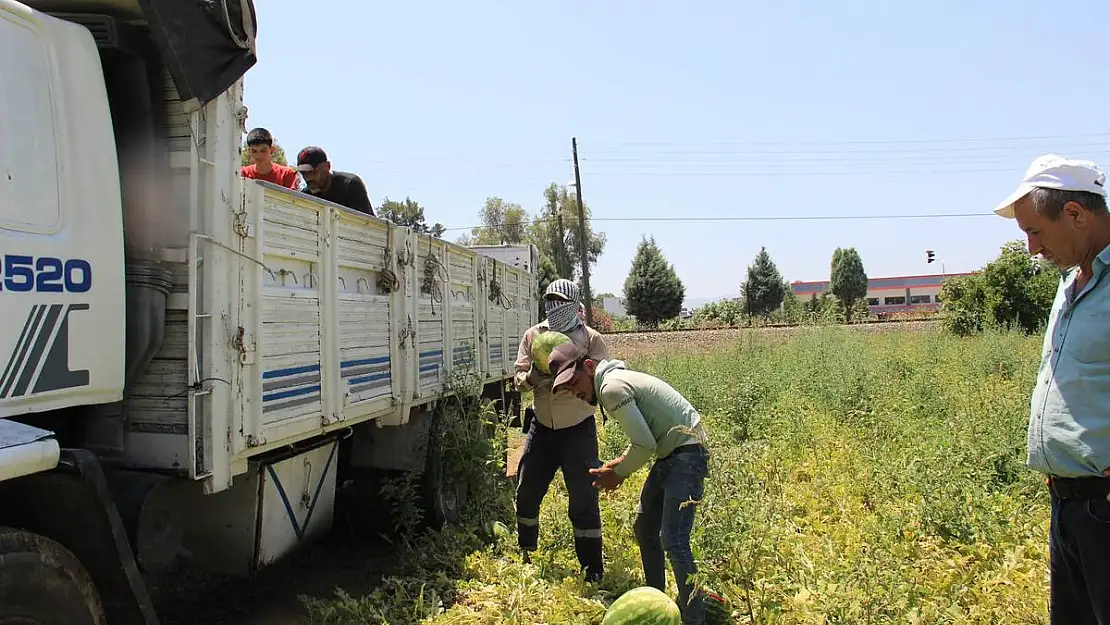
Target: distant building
{"x":614,"y":306}
{"x":887,"y":295}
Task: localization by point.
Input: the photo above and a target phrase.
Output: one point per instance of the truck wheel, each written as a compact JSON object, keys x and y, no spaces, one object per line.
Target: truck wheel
{"x":443,"y":496}
{"x":42,"y":583}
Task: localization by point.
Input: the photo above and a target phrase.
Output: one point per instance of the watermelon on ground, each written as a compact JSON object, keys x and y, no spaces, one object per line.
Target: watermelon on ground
{"x":643,"y":606}
{"x":718,"y":611}
{"x":497,"y":530}
{"x":542,"y":346}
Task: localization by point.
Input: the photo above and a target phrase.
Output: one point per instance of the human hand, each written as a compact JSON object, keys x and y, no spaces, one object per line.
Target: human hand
{"x":606,"y":478}
{"x":535,"y":376}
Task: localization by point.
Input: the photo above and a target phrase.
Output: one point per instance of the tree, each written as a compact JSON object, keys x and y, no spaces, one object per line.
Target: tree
{"x":555,"y":232}
{"x":791,"y":305}
{"x":408,"y":213}
{"x":545,"y":275}
{"x":763,"y":291}
{"x":503,"y":223}
{"x":1015,"y":289}
{"x":726,"y":312}
{"x":278,"y":157}
{"x":652,"y":290}
{"x":848,"y":280}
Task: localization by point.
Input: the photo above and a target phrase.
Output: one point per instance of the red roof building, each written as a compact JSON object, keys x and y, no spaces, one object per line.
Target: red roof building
{"x":891,"y":294}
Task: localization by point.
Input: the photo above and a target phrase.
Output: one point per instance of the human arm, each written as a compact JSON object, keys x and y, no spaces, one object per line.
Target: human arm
{"x":358,"y":197}
{"x":619,"y":401}
{"x":290,"y":178}
{"x":525,"y":376}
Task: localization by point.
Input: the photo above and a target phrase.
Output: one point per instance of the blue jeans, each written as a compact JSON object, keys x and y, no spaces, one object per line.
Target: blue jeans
{"x":1079,"y":561}
{"x":664,"y":520}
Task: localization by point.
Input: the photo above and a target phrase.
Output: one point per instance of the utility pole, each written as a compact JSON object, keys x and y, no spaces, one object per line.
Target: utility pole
{"x":582,"y":242}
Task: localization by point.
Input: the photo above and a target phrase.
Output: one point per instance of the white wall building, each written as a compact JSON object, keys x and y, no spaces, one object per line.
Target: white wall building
{"x":614,"y":306}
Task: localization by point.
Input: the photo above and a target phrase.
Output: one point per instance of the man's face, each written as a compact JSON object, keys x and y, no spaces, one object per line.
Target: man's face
{"x":582,"y":384}
{"x":260,"y":153}
{"x":317,"y":179}
{"x":1063,"y":241}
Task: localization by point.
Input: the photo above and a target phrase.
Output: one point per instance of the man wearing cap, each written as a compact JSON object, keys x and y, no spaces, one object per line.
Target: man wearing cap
{"x":1061,"y":207}
{"x":659,"y":422}
{"x":561,"y":435}
{"x":341,"y":187}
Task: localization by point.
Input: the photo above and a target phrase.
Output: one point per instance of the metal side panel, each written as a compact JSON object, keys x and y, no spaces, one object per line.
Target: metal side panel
{"x":297,"y":502}
{"x":365,"y":266}
{"x":286,"y":321}
{"x":499,"y":357}
{"x":223,"y":201}
{"x":462,"y":296}
{"x":404,"y":328}
{"x":432,"y":314}
{"x":511,"y":284}
{"x":481,"y":310}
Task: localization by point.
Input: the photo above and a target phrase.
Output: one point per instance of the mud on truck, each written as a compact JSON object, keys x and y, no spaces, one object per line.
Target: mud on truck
{"x":190,"y":362}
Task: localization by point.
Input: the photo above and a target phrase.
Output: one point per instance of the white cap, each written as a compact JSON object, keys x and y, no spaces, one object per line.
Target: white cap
{"x":1051,"y":171}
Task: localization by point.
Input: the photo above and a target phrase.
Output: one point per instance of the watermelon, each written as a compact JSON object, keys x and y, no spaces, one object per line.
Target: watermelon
{"x":497,"y":530}
{"x":542,"y":346}
{"x":717,"y":608}
{"x":643,"y":606}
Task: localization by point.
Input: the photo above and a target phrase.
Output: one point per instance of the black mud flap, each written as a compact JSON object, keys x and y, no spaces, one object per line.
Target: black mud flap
{"x":73,"y":506}
{"x":206,"y":44}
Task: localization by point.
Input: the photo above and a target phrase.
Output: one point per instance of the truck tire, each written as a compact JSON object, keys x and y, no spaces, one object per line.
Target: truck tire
{"x":443,"y":497}
{"x":43,"y":583}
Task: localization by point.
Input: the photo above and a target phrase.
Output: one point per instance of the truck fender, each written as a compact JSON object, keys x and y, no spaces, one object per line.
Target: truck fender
{"x":73,"y":505}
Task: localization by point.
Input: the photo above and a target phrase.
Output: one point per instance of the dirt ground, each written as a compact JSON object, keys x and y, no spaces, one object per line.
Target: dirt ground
{"x":341,"y":560}
{"x":271,"y":598}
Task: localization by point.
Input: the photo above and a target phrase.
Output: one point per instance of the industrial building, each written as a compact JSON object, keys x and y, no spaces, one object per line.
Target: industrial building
{"x":891,"y":294}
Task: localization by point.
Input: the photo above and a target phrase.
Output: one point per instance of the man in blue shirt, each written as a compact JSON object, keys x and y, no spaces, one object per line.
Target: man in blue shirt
{"x":1061,"y":207}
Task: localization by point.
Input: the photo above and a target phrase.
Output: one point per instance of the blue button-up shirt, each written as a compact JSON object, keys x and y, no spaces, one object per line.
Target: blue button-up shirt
{"x":1069,"y":412}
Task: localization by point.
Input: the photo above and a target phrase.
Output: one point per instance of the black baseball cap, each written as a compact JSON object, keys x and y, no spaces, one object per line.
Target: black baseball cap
{"x":562,"y":363}
{"x":310,"y":157}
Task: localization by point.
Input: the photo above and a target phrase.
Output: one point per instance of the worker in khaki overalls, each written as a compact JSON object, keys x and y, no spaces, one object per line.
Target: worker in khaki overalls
{"x":561,"y":435}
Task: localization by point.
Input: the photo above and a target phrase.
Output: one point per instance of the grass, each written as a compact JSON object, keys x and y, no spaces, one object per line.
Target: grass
{"x":856,"y":477}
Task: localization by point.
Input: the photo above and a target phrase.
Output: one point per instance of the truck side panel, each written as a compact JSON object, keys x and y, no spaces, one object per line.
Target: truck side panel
{"x":347,"y":318}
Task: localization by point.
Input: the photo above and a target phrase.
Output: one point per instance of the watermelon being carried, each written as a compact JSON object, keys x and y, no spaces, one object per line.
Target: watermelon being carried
{"x":542,"y":346}
{"x":643,"y":606}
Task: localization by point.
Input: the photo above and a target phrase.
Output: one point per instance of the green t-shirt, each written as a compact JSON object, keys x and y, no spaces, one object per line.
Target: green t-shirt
{"x":655,"y":417}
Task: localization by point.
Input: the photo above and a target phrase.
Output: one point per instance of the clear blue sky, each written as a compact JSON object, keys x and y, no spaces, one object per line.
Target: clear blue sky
{"x":707,"y":109}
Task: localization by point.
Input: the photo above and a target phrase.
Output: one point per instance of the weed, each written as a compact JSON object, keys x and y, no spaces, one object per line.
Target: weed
{"x":855,"y":477}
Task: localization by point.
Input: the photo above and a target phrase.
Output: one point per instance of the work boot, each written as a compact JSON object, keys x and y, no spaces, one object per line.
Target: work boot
{"x":590,"y":557}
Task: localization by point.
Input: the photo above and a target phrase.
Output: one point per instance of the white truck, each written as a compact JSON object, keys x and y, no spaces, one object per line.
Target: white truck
{"x":190,"y":361}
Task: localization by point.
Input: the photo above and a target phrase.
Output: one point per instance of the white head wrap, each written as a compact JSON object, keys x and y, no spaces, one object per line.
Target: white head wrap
{"x":561,"y":305}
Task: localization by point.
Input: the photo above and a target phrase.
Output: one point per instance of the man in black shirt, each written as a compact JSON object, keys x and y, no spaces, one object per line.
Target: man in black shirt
{"x":340,"y":187}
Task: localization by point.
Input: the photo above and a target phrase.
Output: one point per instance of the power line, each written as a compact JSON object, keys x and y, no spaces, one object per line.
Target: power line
{"x":959,"y":153}
{"x":806,"y":174}
{"x":751,"y":218}
{"x":865,"y":142}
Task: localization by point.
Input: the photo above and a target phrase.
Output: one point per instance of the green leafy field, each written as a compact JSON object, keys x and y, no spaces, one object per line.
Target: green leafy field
{"x":856,"y":477}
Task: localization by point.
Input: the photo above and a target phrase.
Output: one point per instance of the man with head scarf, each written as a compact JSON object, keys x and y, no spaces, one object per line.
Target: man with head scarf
{"x":561,"y":435}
